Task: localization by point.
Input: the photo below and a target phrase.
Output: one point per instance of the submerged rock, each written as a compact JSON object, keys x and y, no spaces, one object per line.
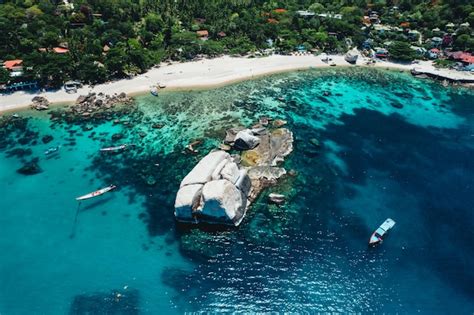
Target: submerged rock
{"x":30,"y":168}
{"x":47,"y":139}
{"x":19,"y":152}
{"x":315,"y":142}
{"x":117,"y":136}
{"x":396,"y":104}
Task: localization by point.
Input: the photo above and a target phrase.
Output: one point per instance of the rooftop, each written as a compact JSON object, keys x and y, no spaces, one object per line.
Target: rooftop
{"x":10,"y":64}
{"x":202,"y":33}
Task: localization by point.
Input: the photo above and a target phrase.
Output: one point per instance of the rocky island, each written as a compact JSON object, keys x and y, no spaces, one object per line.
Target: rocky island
{"x":221,"y":187}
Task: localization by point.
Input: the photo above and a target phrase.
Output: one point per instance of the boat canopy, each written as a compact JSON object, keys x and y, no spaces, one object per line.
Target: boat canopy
{"x":388,"y":224}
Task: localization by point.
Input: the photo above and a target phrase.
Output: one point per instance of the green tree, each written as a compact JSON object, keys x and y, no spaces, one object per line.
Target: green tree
{"x":116,"y":60}
{"x":401,"y":51}
{"x":464,"y":42}
{"x":4,"y":75}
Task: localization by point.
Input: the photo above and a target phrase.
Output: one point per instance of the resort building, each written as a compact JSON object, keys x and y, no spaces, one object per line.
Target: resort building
{"x":203,"y":34}
{"x":15,"y":67}
{"x":434,"y":53}
{"x":304,"y":13}
{"x":330,"y":16}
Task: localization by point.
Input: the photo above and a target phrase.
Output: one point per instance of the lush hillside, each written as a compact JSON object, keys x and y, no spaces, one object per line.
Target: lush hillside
{"x":97,"y":40}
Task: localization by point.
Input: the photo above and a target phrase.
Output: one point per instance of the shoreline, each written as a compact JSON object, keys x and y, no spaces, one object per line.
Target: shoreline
{"x":194,"y":75}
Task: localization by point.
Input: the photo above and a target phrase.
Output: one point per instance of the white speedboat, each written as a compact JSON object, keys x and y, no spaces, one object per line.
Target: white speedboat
{"x":378,"y":235}
{"x":154,"y":91}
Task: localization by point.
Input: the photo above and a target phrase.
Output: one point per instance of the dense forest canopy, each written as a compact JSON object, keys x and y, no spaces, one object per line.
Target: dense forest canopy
{"x":97,"y":40}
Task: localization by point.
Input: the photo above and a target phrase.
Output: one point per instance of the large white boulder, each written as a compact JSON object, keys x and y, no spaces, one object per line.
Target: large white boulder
{"x":202,"y":172}
{"x":245,"y":140}
{"x":187,"y":201}
{"x":217,"y":172}
{"x":230,"y":172}
{"x":243,"y":183}
{"x":222,"y":202}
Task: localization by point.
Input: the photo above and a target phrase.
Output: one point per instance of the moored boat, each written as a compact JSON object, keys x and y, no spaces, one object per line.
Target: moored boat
{"x":114,"y":149}
{"x":52,"y":150}
{"x":154,"y":91}
{"x":96,"y":193}
{"x":377,"y":236}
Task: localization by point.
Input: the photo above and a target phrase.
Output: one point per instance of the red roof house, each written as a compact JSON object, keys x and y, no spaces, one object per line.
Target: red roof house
{"x":12,"y":64}
{"x":60,"y":50}
{"x":203,"y":34}
{"x":468,"y":59}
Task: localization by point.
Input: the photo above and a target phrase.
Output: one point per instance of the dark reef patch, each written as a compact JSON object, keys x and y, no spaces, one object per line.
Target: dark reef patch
{"x":121,"y":302}
{"x":30,"y":168}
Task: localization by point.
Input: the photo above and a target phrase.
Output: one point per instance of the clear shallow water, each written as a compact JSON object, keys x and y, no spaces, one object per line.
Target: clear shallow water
{"x":413,"y":164}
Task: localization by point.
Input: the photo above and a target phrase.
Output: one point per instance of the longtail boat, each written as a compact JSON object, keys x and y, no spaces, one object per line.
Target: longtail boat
{"x":114,"y":149}
{"x":96,"y":193}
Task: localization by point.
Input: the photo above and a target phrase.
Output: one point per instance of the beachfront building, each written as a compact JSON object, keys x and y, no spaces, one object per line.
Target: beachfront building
{"x":381,"y":52}
{"x":15,"y":67}
{"x":463,"y":58}
{"x":434,"y":53}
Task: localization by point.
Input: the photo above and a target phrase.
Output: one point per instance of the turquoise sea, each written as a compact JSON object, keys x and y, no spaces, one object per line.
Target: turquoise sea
{"x":391,"y":146}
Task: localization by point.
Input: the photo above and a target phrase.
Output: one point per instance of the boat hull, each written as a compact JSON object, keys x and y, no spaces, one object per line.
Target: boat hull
{"x":96,"y":193}
{"x":378,"y":235}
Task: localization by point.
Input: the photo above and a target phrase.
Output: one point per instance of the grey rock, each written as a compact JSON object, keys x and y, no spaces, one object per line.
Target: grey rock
{"x":276,"y":198}
{"x":245,"y":140}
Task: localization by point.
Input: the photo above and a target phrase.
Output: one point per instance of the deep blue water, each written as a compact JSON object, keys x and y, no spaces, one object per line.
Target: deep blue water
{"x":124,"y":253}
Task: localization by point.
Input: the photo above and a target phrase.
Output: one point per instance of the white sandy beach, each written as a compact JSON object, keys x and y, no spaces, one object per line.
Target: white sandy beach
{"x":196,"y":74}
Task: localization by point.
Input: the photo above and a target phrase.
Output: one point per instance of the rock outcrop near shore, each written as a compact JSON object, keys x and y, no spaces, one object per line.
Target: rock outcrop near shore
{"x":86,"y":105}
{"x":221,"y":187}
{"x":40,"y":103}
